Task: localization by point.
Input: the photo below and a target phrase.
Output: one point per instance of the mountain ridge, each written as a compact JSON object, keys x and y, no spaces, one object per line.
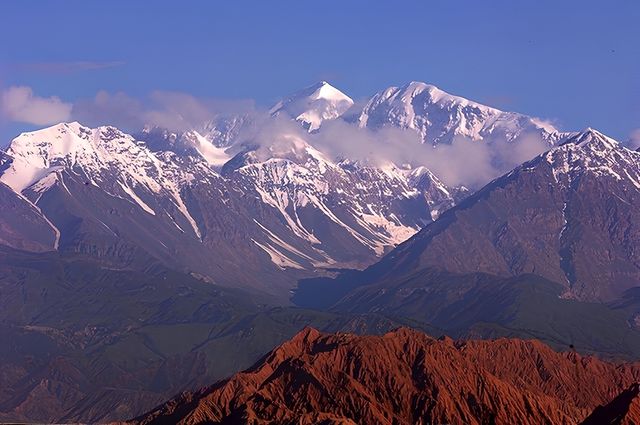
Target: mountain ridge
{"x":586,"y":165}
{"x":404,"y":377}
{"x":428,"y":109}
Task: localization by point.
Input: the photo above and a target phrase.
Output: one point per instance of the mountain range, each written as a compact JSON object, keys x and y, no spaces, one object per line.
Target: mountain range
{"x":569,"y":215}
{"x":281,"y":204}
{"x":154,"y":261}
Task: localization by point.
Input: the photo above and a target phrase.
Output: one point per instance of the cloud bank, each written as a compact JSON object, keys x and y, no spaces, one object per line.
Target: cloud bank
{"x":173,"y":110}
{"x":20,"y":104}
{"x":463,"y":162}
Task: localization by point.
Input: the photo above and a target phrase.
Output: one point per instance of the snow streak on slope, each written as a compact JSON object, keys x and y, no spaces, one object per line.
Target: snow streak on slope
{"x":357,"y":199}
{"x":56,"y":231}
{"x":214,"y":155}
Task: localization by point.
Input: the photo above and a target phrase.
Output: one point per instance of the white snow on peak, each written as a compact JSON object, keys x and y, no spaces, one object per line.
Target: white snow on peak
{"x":592,"y":152}
{"x":292,"y":147}
{"x":104,"y":156}
{"x":314,"y":104}
{"x":37,"y":153}
{"x":438,"y":117}
{"x":435,"y":95}
{"x":593,"y":137}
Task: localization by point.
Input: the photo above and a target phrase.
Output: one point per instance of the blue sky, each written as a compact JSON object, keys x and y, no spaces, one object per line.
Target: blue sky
{"x":575,"y":62}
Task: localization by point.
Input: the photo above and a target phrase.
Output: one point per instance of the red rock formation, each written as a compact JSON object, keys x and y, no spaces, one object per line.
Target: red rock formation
{"x":405,"y":377}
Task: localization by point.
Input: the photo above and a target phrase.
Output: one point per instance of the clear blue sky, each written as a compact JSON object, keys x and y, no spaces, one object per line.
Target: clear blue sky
{"x":577,"y":62}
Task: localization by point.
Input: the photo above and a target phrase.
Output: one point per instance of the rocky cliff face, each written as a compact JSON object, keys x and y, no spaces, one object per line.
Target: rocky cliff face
{"x":405,"y":377}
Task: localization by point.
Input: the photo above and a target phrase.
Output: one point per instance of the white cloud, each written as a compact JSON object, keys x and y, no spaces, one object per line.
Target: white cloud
{"x":173,"y":110}
{"x":466,"y":162}
{"x":634,"y":139}
{"x":20,"y":104}
{"x":463,"y":162}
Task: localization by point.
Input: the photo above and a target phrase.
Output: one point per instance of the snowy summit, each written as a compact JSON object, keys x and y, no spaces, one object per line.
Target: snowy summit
{"x":314,"y":104}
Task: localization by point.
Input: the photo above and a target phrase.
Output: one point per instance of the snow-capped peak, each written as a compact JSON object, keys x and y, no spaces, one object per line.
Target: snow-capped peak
{"x":593,"y":138}
{"x":104,"y":157}
{"x":324,"y":90}
{"x":592,"y":152}
{"x":439,"y":117}
{"x":314,"y":104}
{"x":35,"y":154}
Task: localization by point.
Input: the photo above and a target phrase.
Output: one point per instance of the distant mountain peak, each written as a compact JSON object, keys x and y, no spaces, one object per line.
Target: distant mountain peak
{"x":440,"y":117}
{"x":592,"y":152}
{"x":569,"y":213}
{"x":314,"y":104}
{"x":324,"y":90}
{"x":591,"y":137}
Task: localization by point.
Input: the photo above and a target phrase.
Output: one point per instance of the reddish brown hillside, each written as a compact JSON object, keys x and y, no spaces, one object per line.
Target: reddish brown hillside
{"x":622,"y":410}
{"x":406,"y":377}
